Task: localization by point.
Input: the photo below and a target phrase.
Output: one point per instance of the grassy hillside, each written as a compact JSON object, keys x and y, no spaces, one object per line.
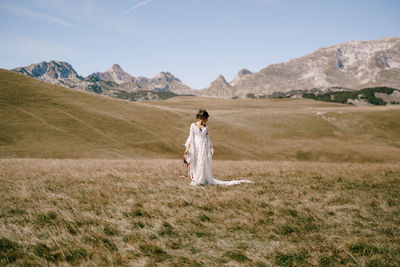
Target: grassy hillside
{"x":301,"y":129}
{"x":48,"y":121}
{"x":140,"y":213}
{"x":41,"y":120}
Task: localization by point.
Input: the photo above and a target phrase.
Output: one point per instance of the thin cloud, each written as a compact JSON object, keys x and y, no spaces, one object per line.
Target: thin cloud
{"x":182,"y":6}
{"x":30,"y":48}
{"x":135,"y":7}
{"x":27,"y":13}
{"x":87,"y":12}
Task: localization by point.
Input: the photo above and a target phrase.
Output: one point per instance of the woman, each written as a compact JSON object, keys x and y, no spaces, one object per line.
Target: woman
{"x":200,"y":148}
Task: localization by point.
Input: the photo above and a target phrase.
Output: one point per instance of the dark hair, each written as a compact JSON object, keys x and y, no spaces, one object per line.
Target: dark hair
{"x":202,"y":114}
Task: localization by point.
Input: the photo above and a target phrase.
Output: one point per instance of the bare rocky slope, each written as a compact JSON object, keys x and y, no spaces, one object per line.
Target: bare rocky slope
{"x":348,"y":66}
{"x":56,"y":72}
{"x":354,"y":65}
{"x":114,"y":82}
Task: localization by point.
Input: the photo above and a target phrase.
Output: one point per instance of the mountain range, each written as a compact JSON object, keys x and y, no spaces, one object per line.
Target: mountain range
{"x":348,"y":66}
{"x":114,"y":82}
{"x":353,"y":65}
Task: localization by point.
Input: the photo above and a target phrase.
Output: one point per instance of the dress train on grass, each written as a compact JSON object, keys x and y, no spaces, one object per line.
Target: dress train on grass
{"x":201,"y":151}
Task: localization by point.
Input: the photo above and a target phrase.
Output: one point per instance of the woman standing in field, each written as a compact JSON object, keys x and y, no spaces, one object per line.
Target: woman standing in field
{"x":200,"y":149}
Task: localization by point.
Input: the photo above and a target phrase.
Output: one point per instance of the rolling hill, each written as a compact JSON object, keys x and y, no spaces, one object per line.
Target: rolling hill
{"x":41,"y":120}
{"x":48,"y":121}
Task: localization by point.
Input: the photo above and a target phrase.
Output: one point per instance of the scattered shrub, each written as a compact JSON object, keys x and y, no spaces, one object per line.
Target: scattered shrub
{"x":362,"y":248}
{"x":109,"y":230}
{"x":166,"y":230}
{"x":204,"y":218}
{"x":286,"y":229}
{"x":76,"y":255}
{"x":9,"y":251}
{"x":368,"y":94}
{"x":50,"y":254}
{"x":236,"y":255}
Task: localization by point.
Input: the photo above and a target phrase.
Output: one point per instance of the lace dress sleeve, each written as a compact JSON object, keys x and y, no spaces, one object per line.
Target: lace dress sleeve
{"x":210,"y":144}
{"x":189,"y":144}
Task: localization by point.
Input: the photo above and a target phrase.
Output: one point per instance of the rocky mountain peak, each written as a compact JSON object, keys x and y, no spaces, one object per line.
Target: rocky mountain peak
{"x":243,"y":72}
{"x":218,"y":88}
{"x":115,"y":68}
{"x":220,"y":80}
{"x":114,"y":74}
{"x":239,"y":76}
{"x":220,"y":83}
{"x":166,"y":76}
{"x":114,"y":82}
{"x":52,"y":71}
{"x":353,"y":64}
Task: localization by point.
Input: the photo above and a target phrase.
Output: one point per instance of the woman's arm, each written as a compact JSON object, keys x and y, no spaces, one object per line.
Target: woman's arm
{"x":211,"y":144}
{"x":189,"y":139}
{"x":187,"y":149}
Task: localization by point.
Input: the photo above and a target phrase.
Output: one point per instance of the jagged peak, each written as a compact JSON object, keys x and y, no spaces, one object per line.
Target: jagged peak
{"x":51,"y":62}
{"x":239,"y":76}
{"x":390,"y":38}
{"x":55,"y":61}
{"x":220,"y":81}
{"x":61,"y":63}
{"x":115,"y":68}
{"x":51,"y":71}
{"x":160,"y":74}
{"x":166,"y":75}
{"x":220,"y":78}
{"x":244,"y":72}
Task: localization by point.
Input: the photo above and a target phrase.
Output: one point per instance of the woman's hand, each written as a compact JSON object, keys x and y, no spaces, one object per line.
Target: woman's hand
{"x":186,"y":151}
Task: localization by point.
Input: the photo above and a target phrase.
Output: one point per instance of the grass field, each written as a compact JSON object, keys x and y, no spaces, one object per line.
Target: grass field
{"x":41,"y":120}
{"x":140,"y":213}
{"x":93,"y":181}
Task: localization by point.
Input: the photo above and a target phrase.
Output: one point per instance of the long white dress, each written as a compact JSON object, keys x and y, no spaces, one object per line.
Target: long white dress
{"x":201,"y":150}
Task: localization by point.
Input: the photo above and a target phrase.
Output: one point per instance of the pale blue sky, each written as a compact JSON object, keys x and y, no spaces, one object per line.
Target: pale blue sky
{"x":196,"y":40}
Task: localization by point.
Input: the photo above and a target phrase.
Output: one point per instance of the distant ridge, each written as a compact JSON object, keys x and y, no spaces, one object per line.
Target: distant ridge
{"x":115,"y":74}
{"x":239,"y":76}
{"x":219,"y":88}
{"x":53,"y":71}
{"x":114,"y":82}
{"x":354,"y":65}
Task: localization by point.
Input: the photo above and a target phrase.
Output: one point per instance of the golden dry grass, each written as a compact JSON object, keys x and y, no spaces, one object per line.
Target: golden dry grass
{"x":304,"y":209}
{"x":140,"y":213}
{"x":41,"y":120}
